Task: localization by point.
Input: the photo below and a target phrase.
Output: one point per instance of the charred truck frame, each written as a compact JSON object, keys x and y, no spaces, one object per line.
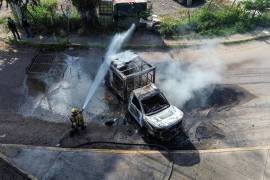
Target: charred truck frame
{"x":125,"y":75}
{"x":132,"y":79}
{"x":45,"y":65}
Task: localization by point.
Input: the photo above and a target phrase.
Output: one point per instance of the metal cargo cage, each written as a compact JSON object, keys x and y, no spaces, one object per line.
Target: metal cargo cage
{"x":45,"y":68}
{"x":128,"y":71}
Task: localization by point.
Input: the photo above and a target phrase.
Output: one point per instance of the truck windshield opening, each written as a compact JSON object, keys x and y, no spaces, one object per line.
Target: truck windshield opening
{"x":154,"y":104}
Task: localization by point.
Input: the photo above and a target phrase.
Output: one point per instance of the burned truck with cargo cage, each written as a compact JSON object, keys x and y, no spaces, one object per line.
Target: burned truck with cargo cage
{"x":132,"y":79}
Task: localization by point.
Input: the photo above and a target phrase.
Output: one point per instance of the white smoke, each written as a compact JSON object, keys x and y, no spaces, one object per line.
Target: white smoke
{"x":65,"y":94}
{"x":115,"y":46}
{"x":57,"y":99}
{"x":180,"y":80}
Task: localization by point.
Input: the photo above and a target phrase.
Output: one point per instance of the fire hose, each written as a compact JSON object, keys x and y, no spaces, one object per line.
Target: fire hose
{"x":170,"y":158}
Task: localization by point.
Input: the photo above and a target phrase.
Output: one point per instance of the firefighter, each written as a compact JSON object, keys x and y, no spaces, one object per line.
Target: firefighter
{"x":76,"y":119}
{"x":13,"y":28}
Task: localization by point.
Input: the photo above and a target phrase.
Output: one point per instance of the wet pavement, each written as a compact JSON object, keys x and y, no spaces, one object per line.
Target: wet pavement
{"x":45,"y":111}
{"x":210,"y":116}
{"x":54,"y":102}
{"x":231,"y":113}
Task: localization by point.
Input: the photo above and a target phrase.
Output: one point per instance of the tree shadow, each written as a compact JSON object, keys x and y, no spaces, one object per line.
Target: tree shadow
{"x":7,"y":171}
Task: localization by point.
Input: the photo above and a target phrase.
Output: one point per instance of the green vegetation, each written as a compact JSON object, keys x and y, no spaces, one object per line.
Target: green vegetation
{"x":224,"y":20}
{"x":48,"y":18}
{"x":2,"y":21}
{"x":214,"y":18}
{"x":20,"y":3}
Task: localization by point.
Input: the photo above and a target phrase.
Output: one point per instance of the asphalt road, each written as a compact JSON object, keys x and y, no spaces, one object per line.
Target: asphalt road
{"x":246,"y":69}
{"x":59,"y":163}
{"x":244,"y":123}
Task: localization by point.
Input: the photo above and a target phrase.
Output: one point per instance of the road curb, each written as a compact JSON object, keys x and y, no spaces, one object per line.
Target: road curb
{"x":139,"y":151}
{"x":232,"y":42}
{"x":60,"y":46}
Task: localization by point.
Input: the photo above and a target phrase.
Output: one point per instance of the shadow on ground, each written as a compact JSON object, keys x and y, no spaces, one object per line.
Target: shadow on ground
{"x":9,"y":172}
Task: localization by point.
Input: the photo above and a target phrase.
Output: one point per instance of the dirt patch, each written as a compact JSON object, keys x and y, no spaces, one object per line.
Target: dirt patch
{"x":208,"y":131}
{"x":225,"y":96}
{"x":201,"y":122}
{"x":217,"y":97}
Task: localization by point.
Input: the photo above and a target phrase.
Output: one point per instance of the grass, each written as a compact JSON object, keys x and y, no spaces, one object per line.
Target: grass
{"x":2,"y":21}
{"x":47,"y":19}
{"x":213,"y":22}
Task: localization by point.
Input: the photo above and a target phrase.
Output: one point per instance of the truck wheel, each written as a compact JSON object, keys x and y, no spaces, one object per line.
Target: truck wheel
{"x":107,"y":80}
{"x":129,"y":117}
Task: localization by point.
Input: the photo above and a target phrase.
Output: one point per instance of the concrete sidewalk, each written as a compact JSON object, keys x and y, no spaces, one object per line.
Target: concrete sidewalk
{"x":138,"y":40}
{"x":236,"y":38}
{"x":57,"y":163}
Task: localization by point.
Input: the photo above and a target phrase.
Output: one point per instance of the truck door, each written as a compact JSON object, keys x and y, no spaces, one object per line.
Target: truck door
{"x":135,"y":110}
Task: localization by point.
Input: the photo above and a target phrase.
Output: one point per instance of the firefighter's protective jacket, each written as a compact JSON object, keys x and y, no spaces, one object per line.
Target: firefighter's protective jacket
{"x":77,"y":119}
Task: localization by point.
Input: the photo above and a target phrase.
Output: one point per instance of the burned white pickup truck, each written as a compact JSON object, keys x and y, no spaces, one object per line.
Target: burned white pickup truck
{"x":150,"y":108}
{"x":132,"y":79}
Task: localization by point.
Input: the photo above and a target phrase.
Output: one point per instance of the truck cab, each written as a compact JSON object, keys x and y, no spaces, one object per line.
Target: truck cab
{"x":150,"y":108}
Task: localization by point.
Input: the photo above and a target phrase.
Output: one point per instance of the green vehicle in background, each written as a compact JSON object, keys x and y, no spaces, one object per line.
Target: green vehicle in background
{"x":127,"y":12}
{"x":121,"y":13}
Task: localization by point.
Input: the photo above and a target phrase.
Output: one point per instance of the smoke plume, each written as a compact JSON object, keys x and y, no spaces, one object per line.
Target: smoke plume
{"x":58,"y":97}
{"x":181,"y":80}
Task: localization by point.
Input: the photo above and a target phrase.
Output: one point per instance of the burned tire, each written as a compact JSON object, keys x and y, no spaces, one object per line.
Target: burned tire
{"x":129,"y":117}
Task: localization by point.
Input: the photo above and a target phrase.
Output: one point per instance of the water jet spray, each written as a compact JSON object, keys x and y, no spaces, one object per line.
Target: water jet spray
{"x":115,"y":46}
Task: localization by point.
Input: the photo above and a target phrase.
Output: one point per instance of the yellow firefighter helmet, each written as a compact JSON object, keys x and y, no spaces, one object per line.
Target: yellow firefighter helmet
{"x":74,"y":110}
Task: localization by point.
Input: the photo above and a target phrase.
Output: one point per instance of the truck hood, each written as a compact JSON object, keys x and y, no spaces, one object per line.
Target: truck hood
{"x":166,"y":118}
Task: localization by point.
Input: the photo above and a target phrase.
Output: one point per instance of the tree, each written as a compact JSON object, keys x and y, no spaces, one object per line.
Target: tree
{"x":87,"y":10}
{"x":19,"y":7}
{"x":21,"y":3}
{"x":256,"y":6}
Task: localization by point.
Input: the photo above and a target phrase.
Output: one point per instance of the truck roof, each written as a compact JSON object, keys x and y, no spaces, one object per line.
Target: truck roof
{"x":119,"y":60}
{"x":128,"y":63}
{"x":151,"y":88}
{"x":129,"y":1}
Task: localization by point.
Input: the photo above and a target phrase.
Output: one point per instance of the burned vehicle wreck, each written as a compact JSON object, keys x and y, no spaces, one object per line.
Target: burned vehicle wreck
{"x":127,"y":72}
{"x":150,"y":108}
{"x":132,"y":79}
